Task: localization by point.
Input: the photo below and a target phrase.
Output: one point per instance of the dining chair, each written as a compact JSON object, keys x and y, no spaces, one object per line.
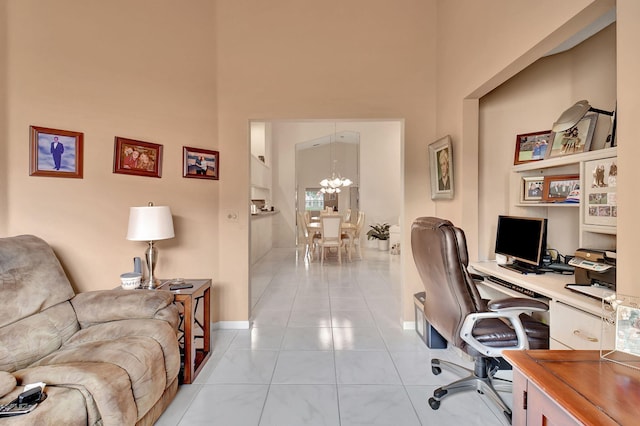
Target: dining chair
{"x":353,"y":238}
{"x":347,"y":216}
{"x":331,"y":235}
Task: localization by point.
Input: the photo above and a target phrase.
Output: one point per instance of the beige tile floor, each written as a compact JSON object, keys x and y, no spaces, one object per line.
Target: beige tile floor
{"x":326,"y":347}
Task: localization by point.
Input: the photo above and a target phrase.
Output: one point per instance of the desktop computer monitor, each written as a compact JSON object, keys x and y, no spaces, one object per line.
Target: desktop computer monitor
{"x":522,"y":239}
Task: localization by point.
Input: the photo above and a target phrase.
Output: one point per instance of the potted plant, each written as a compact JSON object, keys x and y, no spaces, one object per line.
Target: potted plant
{"x":380,"y":232}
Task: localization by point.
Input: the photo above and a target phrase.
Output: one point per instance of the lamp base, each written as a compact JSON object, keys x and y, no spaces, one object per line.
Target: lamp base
{"x":151,"y":284}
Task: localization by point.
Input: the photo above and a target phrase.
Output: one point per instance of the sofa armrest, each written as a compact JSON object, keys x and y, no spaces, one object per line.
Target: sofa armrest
{"x":7,"y":383}
{"x":96,"y":307}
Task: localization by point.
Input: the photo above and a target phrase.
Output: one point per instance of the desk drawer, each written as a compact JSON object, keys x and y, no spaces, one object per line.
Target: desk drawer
{"x":577,"y":329}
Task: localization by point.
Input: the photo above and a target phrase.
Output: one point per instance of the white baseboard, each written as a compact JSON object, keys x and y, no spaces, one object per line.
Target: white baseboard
{"x":408,"y":325}
{"x":231,"y":325}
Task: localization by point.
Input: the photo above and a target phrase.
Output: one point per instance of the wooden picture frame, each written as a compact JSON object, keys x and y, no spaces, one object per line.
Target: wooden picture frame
{"x":200,"y":163}
{"x":532,"y":146}
{"x":558,"y":188}
{"x":532,"y":189}
{"x":574,"y":140}
{"x":441,"y":166}
{"x":132,"y":157}
{"x":55,"y":153}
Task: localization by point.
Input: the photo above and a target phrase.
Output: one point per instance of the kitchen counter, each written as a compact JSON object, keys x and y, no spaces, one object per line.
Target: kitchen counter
{"x":264,"y":213}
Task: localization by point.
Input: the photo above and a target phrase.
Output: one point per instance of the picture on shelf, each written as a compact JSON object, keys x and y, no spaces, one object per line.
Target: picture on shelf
{"x":559,"y":188}
{"x":574,"y":140}
{"x":532,"y":146}
{"x":532,"y":187}
{"x":600,"y":192}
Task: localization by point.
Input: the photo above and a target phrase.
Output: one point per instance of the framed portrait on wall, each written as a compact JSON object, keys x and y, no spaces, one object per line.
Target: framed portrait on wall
{"x":55,"y":153}
{"x":441,"y":166}
{"x":200,"y":163}
{"x":139,"y":158}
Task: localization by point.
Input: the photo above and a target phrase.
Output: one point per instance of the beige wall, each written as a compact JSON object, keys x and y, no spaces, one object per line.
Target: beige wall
{"x":166,"y":73}
{"x":142,"y":70}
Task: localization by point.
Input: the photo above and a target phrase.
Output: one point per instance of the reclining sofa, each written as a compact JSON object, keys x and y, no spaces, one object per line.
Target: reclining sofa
{"x":107,"y":357}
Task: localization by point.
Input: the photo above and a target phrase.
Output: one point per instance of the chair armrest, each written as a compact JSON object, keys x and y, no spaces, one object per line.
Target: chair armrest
{"x":508,"y":309}
{"x":95,"y":307}
{"x":517,"y":303}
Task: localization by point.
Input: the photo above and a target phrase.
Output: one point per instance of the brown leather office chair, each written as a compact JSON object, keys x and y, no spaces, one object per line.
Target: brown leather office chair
{"x":454,"y":307}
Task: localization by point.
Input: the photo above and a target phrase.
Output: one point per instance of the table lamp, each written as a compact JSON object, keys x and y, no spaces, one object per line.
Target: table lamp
{"x":150,"y":223}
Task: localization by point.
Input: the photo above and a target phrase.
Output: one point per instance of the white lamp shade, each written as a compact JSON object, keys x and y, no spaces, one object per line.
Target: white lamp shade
{"x":150,"y":223}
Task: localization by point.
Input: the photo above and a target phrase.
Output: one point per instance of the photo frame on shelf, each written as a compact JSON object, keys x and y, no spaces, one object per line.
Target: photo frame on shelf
{"x":441,"y":166}
{"x":574,"y":140}
{"x":132,"y":157}
{"x":531,"y":189}
{"x":55,"y":153}
{"x":532,"y":146}
{"x":601,"y":206}
{"x":200,"y":163}
{"x":558,"y":188}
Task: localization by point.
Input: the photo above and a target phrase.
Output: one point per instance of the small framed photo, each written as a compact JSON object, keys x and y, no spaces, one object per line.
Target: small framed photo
{"x":139,"y":158}
{"x":558,"y":188}
{"x":532,"y":187}
{"x":441,"y":165}
{"x":628,"y":328}
{"x":532,"y":146}
{"x":200,"y":163}
{"x":55,"y":153}
{"x":574,"y":140}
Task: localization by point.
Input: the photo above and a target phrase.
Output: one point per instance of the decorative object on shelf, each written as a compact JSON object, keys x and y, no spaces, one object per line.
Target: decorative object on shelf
{"x":333,"y":183}
{"x":622,"y":312}
{"x":55,"y":153}
{"x":200,"y":163}
{"x":572,"y":116}
{"x":150,"y":223}
{"x":441,"y":165}
{"x":532,"y":146}
{"x":532,"y":187}
{"x":574,"y":139}
{"x":557,"y":188}
{"x":380,"y":232}
{"x":139,"y":158}
{"x":601,"y":180}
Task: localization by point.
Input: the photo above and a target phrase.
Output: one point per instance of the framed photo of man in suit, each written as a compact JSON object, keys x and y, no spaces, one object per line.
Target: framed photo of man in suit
{"x":441,"y":165}
{"x":55,"y":153}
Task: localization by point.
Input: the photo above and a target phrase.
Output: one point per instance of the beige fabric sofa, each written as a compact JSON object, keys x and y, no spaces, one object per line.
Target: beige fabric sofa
{"x":108,"y":357}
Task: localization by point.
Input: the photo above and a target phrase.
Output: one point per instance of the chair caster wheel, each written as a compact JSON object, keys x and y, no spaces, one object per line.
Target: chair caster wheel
{"x":439,"y":393}
{"x":436,"y":370}
{"x":434,"y":403}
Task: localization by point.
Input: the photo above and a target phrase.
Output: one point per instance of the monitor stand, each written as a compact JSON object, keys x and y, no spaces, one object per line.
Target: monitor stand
{"x":522,"y":268}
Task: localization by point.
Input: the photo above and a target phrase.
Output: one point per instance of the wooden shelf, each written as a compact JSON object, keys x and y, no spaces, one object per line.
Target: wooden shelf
{"x":548,"y":205}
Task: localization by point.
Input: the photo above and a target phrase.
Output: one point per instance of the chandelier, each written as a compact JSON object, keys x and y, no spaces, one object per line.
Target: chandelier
{"x":333,"y":183}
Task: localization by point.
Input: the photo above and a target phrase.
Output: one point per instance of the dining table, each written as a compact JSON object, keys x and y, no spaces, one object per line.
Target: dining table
{"x":315,"y":228}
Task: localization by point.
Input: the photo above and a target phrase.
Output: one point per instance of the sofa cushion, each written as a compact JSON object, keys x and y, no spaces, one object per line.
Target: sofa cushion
{"x":29,"y":339}
{"x":7,"y":383}
{"x":31,"y":278}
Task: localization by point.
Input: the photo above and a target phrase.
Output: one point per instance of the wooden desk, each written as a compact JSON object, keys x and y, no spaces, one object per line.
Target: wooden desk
{"x":572,"y":388}
{"x":195,"y":324}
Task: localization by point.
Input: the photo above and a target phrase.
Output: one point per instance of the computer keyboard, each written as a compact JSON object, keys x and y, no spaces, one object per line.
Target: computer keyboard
{"x":514,"y":287}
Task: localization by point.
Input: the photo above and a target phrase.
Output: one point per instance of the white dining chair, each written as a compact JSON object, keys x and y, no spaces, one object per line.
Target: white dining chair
{"x":331,"y":235}
{"x":353,"y":238}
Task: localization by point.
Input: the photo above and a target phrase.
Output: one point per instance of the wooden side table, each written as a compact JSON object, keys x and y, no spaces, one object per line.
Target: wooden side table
{"x":195,"y":324}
